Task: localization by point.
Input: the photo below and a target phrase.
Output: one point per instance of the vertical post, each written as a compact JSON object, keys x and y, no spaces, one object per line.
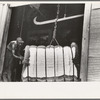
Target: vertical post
{"x":85,"y":42}
{"x":4,"y":27}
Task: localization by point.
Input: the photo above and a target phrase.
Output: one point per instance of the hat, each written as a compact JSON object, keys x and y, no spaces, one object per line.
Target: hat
{"x":20,"y":39}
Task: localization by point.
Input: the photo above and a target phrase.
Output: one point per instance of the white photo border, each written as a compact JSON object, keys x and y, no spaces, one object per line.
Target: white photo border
{"x":49,"y":90}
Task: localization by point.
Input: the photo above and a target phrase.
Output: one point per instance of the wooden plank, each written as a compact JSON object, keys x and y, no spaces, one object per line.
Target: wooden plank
{"x":2,"y":25}
{"x":94,"y":48}
{"x":96,"y":5}
{"x":95,"y":26}
{"x":95,"y":21}
{"x":94,"y":45}
{"x":85,"y":42}
{"x":1,"y":7}
{"x":94,"y":31}
{"x":5,"y":21}
{"x":95,"y":13}
{"x":20,"y":4}
{"x":94,"y":70}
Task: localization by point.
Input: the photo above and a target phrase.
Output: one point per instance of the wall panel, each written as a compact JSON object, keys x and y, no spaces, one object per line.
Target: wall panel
{"x":94,"y":45}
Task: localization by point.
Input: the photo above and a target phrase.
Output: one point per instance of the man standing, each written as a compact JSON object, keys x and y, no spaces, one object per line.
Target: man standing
{"x":13,"y":66}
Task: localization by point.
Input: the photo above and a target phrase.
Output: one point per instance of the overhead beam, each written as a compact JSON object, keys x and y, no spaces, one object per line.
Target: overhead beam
{"x":20,"y":4}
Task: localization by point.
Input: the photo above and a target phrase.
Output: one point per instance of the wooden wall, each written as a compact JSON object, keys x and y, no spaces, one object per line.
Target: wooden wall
{"x":94,"y":45}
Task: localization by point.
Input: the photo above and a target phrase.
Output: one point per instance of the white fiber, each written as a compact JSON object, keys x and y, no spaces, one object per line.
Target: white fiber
{"x":41,"y":61}
{"x":68,"y":62}
{"x":50,"y":61}
{"x":59,"y":61}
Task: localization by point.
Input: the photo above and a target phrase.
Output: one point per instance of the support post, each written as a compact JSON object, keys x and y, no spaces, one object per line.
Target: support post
{"x":85,"y":42}
{"x":5,"y":15}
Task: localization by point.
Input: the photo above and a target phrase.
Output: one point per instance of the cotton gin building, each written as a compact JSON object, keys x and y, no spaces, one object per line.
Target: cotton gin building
{"x":76,"y":22}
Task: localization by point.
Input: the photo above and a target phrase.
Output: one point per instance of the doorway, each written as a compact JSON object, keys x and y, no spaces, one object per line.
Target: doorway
{"x":22,"y":24}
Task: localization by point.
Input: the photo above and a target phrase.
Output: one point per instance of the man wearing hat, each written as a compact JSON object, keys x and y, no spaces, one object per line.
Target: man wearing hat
{"x":13,"y":59}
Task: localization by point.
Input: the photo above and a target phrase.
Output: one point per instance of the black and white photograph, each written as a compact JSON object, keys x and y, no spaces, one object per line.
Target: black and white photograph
{"x":43,"y":43}
{"x":53,"y":42}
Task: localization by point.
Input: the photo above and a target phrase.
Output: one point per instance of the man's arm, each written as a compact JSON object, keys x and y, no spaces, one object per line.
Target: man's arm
{"x":26,"y":56}
{"x":13,"y":52}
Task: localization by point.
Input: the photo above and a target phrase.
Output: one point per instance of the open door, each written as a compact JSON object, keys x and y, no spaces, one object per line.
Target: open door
{"x":24,"y":21}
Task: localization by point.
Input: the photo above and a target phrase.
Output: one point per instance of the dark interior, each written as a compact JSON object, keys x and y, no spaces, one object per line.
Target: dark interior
{"x":67,"y":31}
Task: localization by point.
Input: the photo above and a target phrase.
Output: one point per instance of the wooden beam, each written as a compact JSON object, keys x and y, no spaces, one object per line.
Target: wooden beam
{"x":4,"y":27}
{"x":96,"y":5}
{"x":20,"y":4}
{"x":85,"y":42}
{"x":1,"y":7}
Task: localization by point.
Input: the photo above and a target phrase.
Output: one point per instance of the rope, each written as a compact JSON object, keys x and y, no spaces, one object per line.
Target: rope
{"x":28,"y":73}
{"x":65,"y":11}
{"x":22,"y":22}
{"x":55,"y":27}
{"x":54,"y":67}
{"x":63,"y":64}
{"x":36,"y":64}
{"x":73,"y":62}
{"x":45,"y":65}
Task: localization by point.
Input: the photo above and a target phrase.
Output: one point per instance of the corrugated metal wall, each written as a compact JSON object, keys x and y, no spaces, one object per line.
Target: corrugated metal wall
{"x":94,"y":45}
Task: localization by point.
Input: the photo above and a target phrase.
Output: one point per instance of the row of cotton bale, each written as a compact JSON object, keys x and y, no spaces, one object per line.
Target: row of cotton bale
{"x":48,"y":63}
